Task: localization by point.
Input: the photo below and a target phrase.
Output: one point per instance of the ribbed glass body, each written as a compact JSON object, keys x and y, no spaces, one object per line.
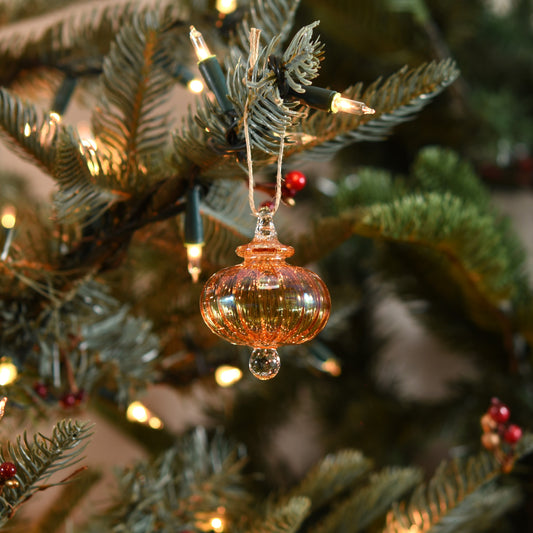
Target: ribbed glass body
{"x":265,"y":302}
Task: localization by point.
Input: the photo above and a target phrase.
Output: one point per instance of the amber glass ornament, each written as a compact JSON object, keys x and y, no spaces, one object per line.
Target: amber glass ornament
{"x":265,"y":302}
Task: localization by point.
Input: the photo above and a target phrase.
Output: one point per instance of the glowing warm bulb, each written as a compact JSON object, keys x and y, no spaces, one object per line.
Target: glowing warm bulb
{"x":331,"y":366}
{"x":344,"y":105}
{"x":195,"y":86}
{"x":137,"y":412}
{"x":226,"y":6}
{"x":217,"y":524}
{"x":8,"y":372}
{"x":226,"y":375}
{"x":155,"y":423}
{"x":194,"y":258}
{"x":199,"y":44}
{"x":27,"y":130}
{"x":9,"y":217}
{"x":55,"y":117}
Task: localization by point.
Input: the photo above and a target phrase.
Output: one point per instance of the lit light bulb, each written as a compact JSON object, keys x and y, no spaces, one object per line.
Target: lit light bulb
{"x":331,"y":366}
{"x":344,"y":105}
{"x":8,"y":220}
{"x":217,"y":524}
{"x":137,"y":412}
{"x":9,"y":217}
{"x":3,"y":402}
{"x":226,"y":375}
{"x":8,"y":372}
{"x":194,"y":261}
{"x":27,"y":129}
{"x":199,"y":44}
{"x":55,"y":117}
{"x":155,"y":423}
{"x":226,"y":6}
{"x":195,"y":86}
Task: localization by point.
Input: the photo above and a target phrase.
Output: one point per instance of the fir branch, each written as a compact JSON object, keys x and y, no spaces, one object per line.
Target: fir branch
{"x":203,"y":137}
{"x":335,"y":474}
{"x":38,"y":459}
{"x":184,"y":486}
{"x":465,"y":238}
{"x":274,"y":17}
{"x":441,"y":170}
{"x":74,"y":42}
{"x":30,"y":136}
{"x":285,"y":518}
{"x":136,"y":82}
{"x":80,"y":173}
{"x":396,"y":100}
{"x":364,"y":506}
{"x":452,"y":500}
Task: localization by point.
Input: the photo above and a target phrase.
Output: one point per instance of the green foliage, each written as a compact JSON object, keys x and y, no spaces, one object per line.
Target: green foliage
{"x":286,"y":518}
{"x":398,"y":99}
{"x":440,"y":170}
{"x":37,"y":459}
{"x":31,"y":136}
{"x":129,"y":123}
{"x":78,"y":171}
{"x":461,"y":496}
{"x":362,"y":507}
{"x":332,"y":476}
{"x":185,"y":485}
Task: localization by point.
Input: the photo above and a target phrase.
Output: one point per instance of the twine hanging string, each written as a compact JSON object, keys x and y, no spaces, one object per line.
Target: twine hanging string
{"x":254,"y":52}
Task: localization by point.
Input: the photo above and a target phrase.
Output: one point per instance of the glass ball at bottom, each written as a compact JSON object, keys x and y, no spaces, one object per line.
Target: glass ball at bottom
{"x":264,"y":363}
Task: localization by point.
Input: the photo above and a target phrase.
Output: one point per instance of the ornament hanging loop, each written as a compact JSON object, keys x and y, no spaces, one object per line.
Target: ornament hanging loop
{"x":254,"y":53}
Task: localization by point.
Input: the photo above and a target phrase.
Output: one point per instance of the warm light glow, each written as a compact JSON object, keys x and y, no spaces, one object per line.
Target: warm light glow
{"x":155,"y":423}
{"x":89,"y":143}
{"x":9,"y":217}
{"x":217,"y":524}
{"x":55,"y":117}
{"x":195,"y":86}
{"x":200,"y":46}
{"x":8,"y":372}
{"x":226,"y":375}
{"x":331,"y":366}
{"x":137,"y":412}
{"x":27,"y":130}
{"x":226,"y":6}
{"x":344,"y":105}
{"x":194,"y":257}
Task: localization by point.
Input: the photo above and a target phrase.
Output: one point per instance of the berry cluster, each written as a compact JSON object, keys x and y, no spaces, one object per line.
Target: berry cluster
{"x":294,"y":182}
{"x":67,"y":400}
{"x":496,"y":428}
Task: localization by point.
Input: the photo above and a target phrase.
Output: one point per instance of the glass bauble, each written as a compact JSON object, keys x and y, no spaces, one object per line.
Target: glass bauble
{"x":265,"y":302}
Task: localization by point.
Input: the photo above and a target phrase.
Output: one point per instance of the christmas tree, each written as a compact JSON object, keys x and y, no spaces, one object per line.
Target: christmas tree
{"x":152,"y":192}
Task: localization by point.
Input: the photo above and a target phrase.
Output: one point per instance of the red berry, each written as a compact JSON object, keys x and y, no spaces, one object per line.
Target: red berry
{"x":513,"y":434}
{"x":41,"y":390}
{"x":500,"y":413}
{"x":7,"y":470}
{"x":295,"y":180}
{"x":68,"y":400}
